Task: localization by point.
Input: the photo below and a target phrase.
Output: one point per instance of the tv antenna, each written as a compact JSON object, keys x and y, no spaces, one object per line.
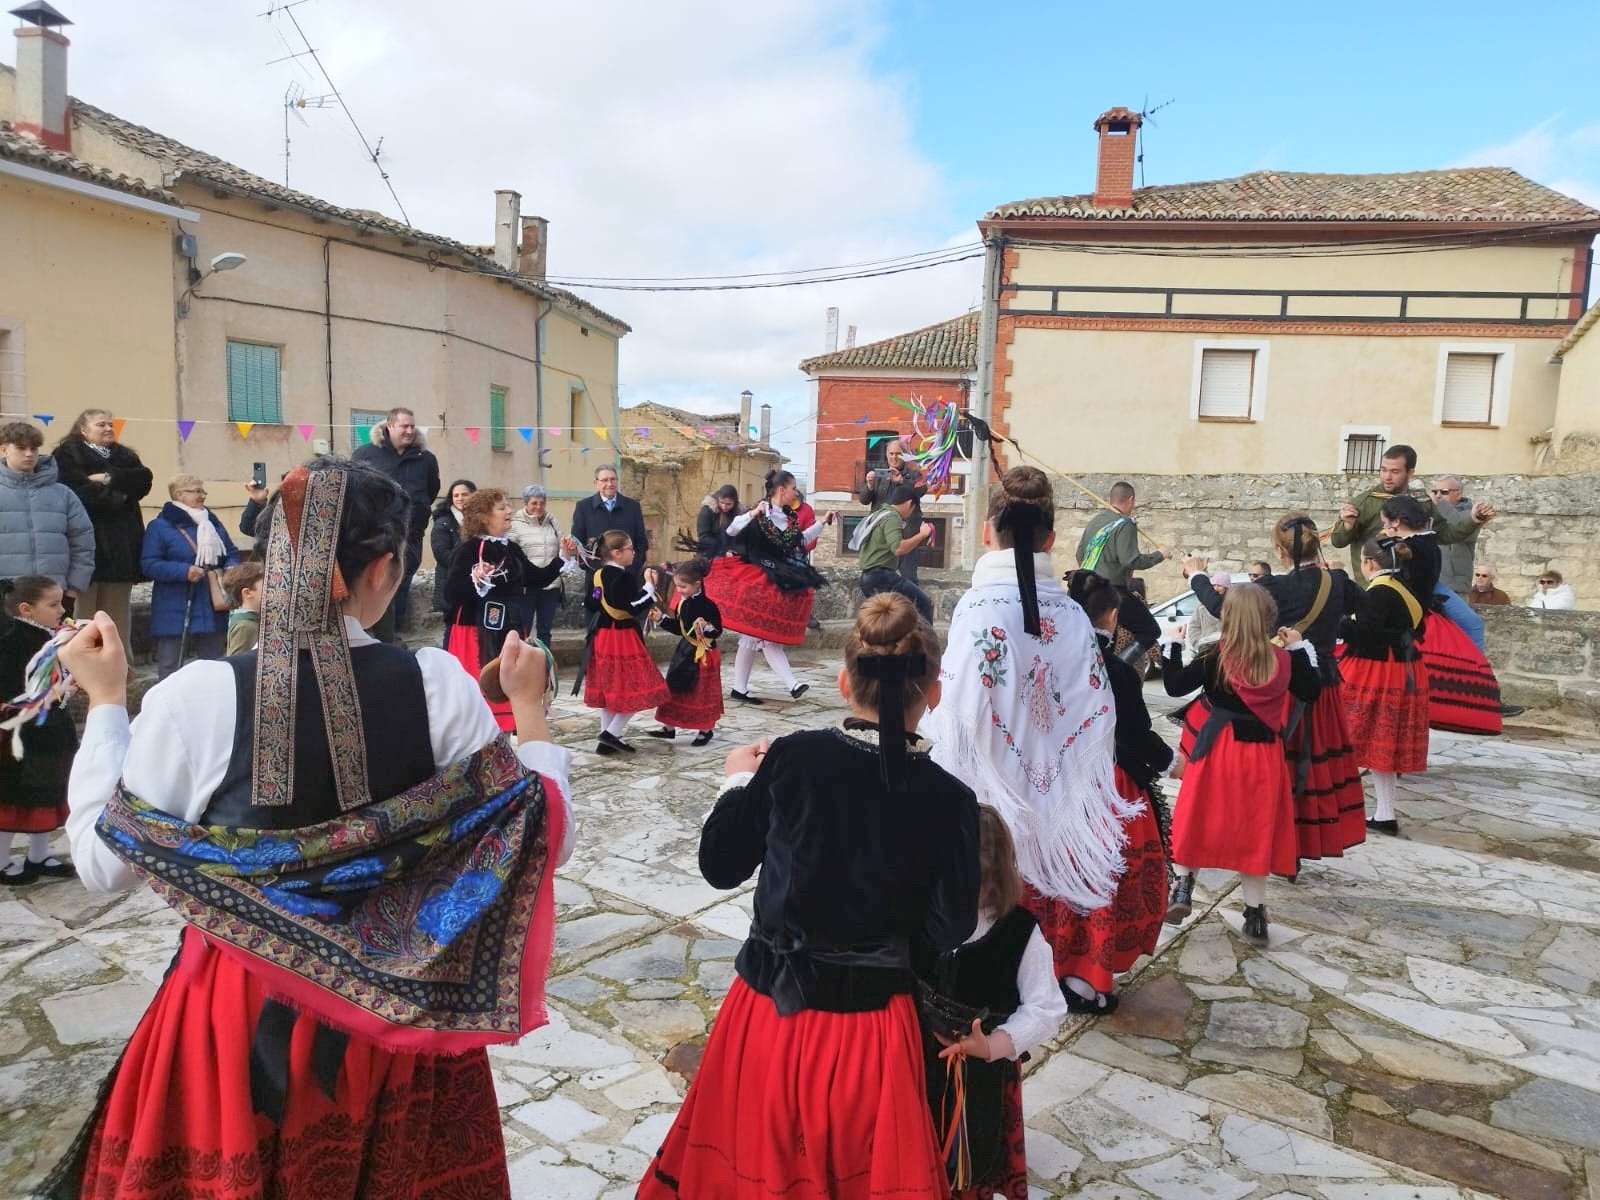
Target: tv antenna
{"x":295,"y":101}
{"x":1148,"y":118}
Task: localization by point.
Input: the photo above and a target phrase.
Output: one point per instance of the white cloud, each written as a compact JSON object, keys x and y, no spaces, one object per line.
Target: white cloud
{"x":689,"y":138}
{"x":1567,"y":160}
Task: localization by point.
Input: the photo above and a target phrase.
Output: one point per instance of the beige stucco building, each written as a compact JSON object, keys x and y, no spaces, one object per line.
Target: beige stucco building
{"x":1574,"y":443}
{"x":334,"y":316}
{"x":1282,"y":322}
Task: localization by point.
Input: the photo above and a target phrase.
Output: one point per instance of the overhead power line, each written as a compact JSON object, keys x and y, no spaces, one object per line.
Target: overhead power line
{"x":744,"y":283}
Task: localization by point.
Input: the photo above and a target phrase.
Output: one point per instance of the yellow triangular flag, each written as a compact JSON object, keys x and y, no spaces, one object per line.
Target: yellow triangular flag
{"x":600,"y":429}
{"x":244,"y":427}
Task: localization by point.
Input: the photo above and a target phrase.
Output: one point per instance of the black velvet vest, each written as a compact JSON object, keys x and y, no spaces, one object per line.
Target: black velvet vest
{"x":394,"y":720}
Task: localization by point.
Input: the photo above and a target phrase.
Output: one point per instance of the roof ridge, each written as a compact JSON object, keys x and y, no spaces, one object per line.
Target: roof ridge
{"x":913,"y":349}
{"x":19,"y":144}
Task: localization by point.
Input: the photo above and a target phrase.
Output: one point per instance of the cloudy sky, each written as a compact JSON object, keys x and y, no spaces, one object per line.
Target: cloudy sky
{"x":723,"y":138}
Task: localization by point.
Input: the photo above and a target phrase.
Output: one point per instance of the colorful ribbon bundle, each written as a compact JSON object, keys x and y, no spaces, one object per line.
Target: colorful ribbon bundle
{"x":954,"y":1144}
{"x":46,"y":684}
{"x":935,"y":428}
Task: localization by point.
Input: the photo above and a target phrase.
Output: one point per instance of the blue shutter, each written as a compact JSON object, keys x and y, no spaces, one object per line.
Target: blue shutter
{"x":253,"y":384}
{"x":497,"y":418}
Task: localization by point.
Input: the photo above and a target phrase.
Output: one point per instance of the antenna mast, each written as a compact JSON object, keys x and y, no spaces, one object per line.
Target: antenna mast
{"x":295,"y":101}
{"x":1148,"y":114}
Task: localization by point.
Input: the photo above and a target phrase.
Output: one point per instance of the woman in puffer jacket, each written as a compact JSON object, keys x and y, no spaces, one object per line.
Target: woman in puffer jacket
{"x":44,"y":529}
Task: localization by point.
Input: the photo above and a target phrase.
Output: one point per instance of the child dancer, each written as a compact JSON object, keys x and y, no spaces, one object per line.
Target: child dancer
{"x":1005,"y":967}
{"x":243,"y":585}
{"x":1235,"y":807}
{"x":695,"y":674}
{"x":619,"y":676}
{"x":812,"y":1084}
{"x":35,"y":761}
{"x":1385,"y":685}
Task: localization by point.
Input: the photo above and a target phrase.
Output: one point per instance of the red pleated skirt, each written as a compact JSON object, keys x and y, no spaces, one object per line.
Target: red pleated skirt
{"x":1098,"y":946}
{"x":21,"y":818}
{"x":1329,"y":811}
{"x":621,"y":675}
{"x":750,"y":604}
{"x":1011,"y":1181}
{"x":1463,"y":694}
{"x":815,"y":1106}
{"x":701,"y":707}
{"x":462,"y":641}
{"x":178,"y":1120}
{"x":1235,"y":809}
{"x":1386,"y":704}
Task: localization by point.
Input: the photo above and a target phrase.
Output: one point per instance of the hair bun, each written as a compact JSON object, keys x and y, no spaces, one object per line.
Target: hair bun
{"x":886,"y":622}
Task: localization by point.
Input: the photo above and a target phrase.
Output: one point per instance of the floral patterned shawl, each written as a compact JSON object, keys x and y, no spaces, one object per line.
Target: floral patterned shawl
{"x":1027,"y":721}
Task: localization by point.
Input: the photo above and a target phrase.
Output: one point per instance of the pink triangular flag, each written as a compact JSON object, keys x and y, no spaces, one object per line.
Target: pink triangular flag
{"x":306,"y":431}
{"x":472,"y":432}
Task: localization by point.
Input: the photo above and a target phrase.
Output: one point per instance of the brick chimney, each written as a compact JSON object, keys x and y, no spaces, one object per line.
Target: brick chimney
{"x":41,"y":97}
{"x":1119,"y":139}
{"x":507,"y":223}
{"x":531,"y":253}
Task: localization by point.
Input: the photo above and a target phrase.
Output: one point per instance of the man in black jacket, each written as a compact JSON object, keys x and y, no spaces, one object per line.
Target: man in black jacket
{"x":396,"y":448}
{"x":610,"y":509}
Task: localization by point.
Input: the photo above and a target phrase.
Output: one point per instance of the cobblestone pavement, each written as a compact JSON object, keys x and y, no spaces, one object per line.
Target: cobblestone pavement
{"x":1423,"y":1026}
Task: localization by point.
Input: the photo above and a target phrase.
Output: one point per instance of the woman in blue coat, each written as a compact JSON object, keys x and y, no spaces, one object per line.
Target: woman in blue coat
{"x":184,"y":542}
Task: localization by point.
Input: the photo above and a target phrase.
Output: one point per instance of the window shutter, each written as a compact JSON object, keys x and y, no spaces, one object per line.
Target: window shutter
{"x":253,"y":384}
{"x":1225,"y":379}
{"x":1468,"y":389}
{"x":497,"y":418}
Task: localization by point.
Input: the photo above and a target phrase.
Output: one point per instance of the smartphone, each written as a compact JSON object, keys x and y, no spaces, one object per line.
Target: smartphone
{"x":258,"y":477}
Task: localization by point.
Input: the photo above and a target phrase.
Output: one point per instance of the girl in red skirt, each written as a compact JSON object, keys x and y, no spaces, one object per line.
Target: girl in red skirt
{"x":1235,"y":808}
{"x":695,"y":674}
{"x":35,"y":760}
{"x":812,"y":1084}
{"x":619,"y":676}
{"x":1329,"y":809}
{"x":1385,"y":686}
{"x":1004,"y":967}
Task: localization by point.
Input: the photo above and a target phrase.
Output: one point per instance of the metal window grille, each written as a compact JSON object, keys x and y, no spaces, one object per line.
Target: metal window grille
{"x":1362,"y":453}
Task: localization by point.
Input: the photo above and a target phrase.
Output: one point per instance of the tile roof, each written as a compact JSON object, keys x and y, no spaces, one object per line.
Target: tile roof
{"x":1585,"y":323}
{"x":1487,"y":194}
{"x":728,"y":436}
{"x":186,"y":161}
{"x":948,"y":346}
{"x":22,"y":148}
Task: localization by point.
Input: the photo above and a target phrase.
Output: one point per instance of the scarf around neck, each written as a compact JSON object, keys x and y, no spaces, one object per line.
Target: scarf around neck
{"x":1269,"y":701}
{"x":209,"y":550}
{"x":102,"y":451}
{"x":1027,"y":721}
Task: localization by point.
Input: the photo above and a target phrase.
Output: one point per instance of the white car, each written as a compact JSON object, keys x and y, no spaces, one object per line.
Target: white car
{"x":1175,"y":613}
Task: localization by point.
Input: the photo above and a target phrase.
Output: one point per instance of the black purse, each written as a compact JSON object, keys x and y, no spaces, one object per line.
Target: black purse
{"x":947,"y":1017}
{"x":682,"y":672}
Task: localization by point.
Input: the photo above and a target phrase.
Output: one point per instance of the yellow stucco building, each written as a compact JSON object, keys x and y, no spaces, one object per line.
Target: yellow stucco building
{"x":321,"y":319}
{"x":1282,"y":322}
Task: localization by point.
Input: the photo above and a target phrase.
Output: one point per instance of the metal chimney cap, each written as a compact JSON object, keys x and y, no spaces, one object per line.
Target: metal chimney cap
{"x":41,"y":14}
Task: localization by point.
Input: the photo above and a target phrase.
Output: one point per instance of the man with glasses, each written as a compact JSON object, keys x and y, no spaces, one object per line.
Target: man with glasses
{"x":395,"y":447}
{"x":1456,"y":557}
{"x":609,"y":509}
{"x":1483,"y":591}
{"x":1257,"y":571}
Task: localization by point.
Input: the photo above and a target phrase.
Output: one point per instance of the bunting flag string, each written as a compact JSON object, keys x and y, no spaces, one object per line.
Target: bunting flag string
{"x":306,"y":431}
{"x":244,"y":427}
{"x":527,"y":433}
{"x":116,"y":427}
{"x":185,"y":428}
{"x":472,"y":432}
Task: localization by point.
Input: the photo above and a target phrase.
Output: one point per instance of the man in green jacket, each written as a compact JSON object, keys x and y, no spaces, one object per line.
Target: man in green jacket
{"x":1110,"y":548}
{"x":880,"y":539}
{"x":1361,"y":517}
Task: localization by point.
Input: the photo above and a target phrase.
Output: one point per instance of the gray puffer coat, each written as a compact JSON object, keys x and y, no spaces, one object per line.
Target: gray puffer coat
{"x":44,"y":529}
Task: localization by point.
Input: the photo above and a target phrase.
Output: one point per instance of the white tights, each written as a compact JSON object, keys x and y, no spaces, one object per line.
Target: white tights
{"x":38,"y":848}
{"x":744,"y":660}
{"x":1254,"y":887}
{"x":613,"y":722}
{"x":1384,"y":787}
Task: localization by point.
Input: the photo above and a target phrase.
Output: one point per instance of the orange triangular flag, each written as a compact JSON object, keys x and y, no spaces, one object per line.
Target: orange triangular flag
{"x":244,"y":427}
{"x":116,"y":427}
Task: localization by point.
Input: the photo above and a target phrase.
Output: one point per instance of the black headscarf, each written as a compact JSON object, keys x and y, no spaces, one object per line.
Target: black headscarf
{"x":1022,"y":522}
{"x":891,"y":671}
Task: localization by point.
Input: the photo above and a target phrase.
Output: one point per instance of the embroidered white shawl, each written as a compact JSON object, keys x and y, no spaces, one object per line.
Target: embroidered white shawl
{"x":1027,"y":723}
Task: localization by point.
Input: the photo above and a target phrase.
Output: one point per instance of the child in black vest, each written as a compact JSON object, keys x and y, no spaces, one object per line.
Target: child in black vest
{"x":619,"y":677}
{"x":35,"y":760}
{"x":695,"y":674}
{"x":1005,"y":968}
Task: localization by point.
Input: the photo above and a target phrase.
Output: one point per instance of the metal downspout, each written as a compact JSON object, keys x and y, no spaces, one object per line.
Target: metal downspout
{"x":977,"y":505}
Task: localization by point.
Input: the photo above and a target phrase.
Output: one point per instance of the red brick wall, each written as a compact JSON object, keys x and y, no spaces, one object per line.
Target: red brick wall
{"x":841,"y":402}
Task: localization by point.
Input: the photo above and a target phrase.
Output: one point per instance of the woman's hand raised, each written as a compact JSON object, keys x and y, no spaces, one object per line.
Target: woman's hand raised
{"x":98,"y":662}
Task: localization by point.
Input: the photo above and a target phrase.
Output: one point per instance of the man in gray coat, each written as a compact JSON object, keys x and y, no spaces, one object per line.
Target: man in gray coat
{"x":44,"y":528}
{"x":1457,"y":558}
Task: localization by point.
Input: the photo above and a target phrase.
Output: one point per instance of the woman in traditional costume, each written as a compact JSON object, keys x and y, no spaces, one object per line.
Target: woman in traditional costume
{"x":490,"y":586}
{"x":1463,"y":693}
{"x":619,"y":677}
{"x":694,"y":676}
{"x":1029,"y":721}
{"x":1385,"y":686}
{"x":365,"y":867}
{"x":812,"y":1084}
{"x":1235,"y":807}
{"x":1329,"y":809}
{"x":764,"y":591}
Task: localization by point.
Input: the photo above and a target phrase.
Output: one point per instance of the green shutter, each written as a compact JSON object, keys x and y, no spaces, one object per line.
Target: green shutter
{"x":253,"y":384}
{"x":497,"y":418}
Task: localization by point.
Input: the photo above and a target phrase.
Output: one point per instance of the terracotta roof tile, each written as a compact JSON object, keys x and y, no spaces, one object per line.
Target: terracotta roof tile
{"x":1585,"y":323}
{"x":1487,"y":194}
{"x":186,"y":161}
{"x":947,"y":346}
{"x":22,"y":148}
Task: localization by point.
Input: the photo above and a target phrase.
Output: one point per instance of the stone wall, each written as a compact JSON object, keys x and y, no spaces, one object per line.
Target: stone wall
{"x":1549,"y":661}
{"x":1544,"y":522}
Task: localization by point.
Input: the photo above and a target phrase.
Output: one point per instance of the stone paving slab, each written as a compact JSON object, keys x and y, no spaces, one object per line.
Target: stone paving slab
{"x":1424,"y":1024}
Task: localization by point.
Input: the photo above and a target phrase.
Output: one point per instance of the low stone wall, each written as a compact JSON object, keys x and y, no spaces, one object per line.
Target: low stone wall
{"x":1549,"y":661}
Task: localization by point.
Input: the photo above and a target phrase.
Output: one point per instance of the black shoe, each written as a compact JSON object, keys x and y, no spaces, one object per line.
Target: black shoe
{"x":701,"y":738}
{"x":1176,"y":716}
{"x":604,"y":747}
{"x":663,"y":732}
{"x":798,"y":690}
{"x":616,"y":743}
{"x":1181,"y":902}
{"x":745,"y":698}
{"x":814,"y":624}
{"x":1392,"y":828}
{"x":1255,"y":924}
{"x":20,"y":878}
{"x":51,"y":868}
{"x":1512,"y":710}
{"x":1103,"y":1004}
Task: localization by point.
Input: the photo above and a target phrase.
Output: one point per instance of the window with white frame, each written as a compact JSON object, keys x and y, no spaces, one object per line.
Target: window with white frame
{"x":1361,"y":448}
{"x":1474,"y":385}
{"x":1230,"y":381}
{"x":13,"y":393}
